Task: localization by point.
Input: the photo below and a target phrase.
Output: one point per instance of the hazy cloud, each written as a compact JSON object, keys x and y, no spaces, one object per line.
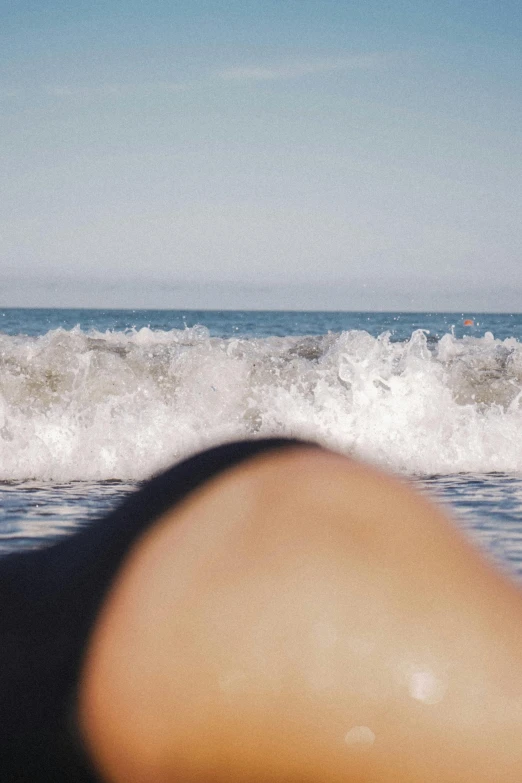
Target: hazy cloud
{"x":297,"y":69}
{"x":108,"y":89}
{"x":282,"y":71}
{"x":8,"y":92}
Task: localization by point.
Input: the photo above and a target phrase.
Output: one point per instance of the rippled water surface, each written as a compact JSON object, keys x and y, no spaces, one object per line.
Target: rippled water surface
{"x":34,"y":514}
{"x":487,"y":506}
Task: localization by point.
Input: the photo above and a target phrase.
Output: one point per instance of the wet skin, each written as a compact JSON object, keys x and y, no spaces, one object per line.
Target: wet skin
{"x":304,"y":617}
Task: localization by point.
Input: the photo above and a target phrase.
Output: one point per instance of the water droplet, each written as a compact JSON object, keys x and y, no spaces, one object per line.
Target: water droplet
{"x":426,"y":687}
{"x":326,"y":635}
{"x":360,"y":737}
{"x":232,"y":681}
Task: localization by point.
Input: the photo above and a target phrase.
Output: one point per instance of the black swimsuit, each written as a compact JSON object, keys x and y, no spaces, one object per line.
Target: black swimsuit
{"x":50,"y":599}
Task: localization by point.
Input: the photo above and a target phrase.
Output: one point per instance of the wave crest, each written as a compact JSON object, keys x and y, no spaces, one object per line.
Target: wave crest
{"x":102,"y":405}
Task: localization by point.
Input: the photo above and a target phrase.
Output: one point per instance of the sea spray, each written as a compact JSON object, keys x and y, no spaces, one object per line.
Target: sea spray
{"x":121,"y":405}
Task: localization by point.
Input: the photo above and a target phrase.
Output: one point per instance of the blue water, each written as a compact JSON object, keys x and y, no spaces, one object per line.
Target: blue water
{"x":68,"y":376}
{"x":259,"y":323}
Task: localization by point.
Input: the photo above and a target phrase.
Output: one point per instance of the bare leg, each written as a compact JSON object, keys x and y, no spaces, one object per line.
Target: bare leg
{"x":306,"y":618}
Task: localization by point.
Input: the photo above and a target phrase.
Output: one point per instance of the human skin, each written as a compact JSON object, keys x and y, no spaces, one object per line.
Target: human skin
{"x":304,"y":617}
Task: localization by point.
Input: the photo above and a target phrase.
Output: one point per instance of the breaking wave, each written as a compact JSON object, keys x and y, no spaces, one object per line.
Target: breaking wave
{"x":122,"y":405}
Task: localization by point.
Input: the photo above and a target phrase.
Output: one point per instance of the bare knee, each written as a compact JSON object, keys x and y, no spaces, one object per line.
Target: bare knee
{"x":290,"y":601}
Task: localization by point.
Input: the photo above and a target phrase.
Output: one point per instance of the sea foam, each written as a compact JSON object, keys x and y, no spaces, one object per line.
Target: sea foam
{"x":122,"y":405}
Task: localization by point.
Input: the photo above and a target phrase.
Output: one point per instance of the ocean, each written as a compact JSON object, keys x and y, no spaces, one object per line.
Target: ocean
{"x":92,"y":402}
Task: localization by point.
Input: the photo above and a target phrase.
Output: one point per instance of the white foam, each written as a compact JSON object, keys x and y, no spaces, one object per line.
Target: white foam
{"x":76,"y":405}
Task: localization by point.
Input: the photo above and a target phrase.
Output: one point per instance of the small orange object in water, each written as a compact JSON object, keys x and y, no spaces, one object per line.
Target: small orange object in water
{"x":468,"y":322}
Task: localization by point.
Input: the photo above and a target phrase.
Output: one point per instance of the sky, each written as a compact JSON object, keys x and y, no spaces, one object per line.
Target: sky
{"x":291,"y":154}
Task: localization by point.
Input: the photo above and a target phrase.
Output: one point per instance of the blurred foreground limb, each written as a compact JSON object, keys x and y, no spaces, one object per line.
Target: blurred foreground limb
{"x":304,"y":617}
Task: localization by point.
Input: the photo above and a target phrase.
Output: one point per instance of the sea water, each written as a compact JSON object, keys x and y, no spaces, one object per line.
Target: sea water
{"x":93,"y":402}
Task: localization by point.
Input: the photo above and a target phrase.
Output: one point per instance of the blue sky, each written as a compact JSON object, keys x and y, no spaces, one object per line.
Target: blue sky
{"x":261,"y":154}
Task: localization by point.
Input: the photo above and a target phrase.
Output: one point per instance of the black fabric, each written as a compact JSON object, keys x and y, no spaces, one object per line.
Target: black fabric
{"x":49,"y":601}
